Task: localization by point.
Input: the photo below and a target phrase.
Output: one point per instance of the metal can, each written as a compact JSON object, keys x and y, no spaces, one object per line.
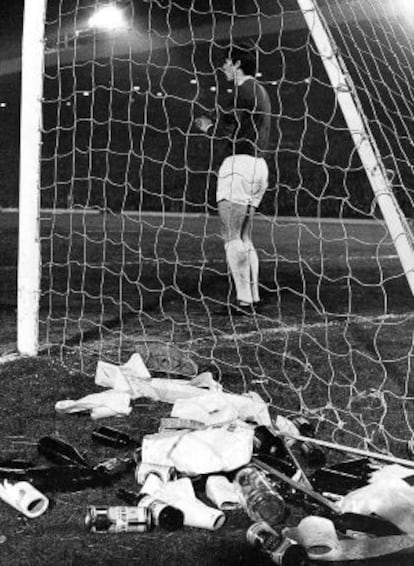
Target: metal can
{"x":282,"y":551}
{"x":121,"y":519}
{"x":164,"y":473}
{"x":289,"y":553}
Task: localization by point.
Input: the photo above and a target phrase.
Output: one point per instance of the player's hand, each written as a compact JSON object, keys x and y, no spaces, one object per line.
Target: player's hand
{"x":203,"y":123}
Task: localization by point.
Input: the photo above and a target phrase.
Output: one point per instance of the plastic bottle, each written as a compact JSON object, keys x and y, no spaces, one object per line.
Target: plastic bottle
{"x":259,"y":497}
{"x":281,"y":551}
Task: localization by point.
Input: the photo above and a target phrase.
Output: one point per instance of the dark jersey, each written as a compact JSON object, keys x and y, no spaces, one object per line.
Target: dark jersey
{"x":247,"y":126}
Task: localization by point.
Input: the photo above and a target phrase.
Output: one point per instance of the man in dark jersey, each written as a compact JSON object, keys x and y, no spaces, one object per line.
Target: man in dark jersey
{"x":243,"y":174}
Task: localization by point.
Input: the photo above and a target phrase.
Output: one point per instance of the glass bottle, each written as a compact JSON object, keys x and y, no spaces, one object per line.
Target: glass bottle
{"x":313,"y":453}
{"x":113,"y":437}
{"x":59,"y":451}
{"x":259,"y":497}
{"x":272,"y":450}
{"x":282,"y":551}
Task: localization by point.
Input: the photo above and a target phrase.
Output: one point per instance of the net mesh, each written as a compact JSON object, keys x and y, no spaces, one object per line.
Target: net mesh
{"x":131,"y":247}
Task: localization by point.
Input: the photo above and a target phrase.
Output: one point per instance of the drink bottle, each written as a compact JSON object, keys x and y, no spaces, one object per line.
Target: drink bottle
{"x":356,"y":466}
{"x":65,"y":478}
{"x":113,"y":437}
{"x":264,"y":442}
{"x":259,"y":497}
{"x":272,"y":450}
{"x":314,"y":454}
{"x":60,"y":452}
{"x":335,"y":481}
{"x":281,"y":551}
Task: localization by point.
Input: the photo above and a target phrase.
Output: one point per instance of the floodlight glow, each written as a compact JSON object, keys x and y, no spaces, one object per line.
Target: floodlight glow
{"x":406,"y":9}
{"x":109,"y":17}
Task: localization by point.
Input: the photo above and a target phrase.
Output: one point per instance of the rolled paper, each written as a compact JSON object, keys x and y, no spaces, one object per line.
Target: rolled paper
{"x":152,"y":484}
{"x":199,"y":515}
{"x":222,"y":492}
{"x":318,"y":536}
{"x":25,"y":498}
{"x":144,"y":469}
{"x":180,"y":494}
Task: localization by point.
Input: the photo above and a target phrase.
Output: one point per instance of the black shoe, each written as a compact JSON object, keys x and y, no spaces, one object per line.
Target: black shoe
{"x":258,"y":306}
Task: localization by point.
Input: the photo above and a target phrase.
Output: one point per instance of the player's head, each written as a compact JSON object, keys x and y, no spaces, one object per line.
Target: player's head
{"x":241,"y":56}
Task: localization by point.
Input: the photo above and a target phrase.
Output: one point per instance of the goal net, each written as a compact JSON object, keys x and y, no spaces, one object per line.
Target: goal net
{"x":131,"y":250}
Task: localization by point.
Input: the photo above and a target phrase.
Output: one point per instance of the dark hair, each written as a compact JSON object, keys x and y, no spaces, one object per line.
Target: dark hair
{"x":246,"y":54}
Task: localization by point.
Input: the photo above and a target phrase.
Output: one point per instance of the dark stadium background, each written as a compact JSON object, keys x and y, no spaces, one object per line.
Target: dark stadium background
{"x":119,"y":148}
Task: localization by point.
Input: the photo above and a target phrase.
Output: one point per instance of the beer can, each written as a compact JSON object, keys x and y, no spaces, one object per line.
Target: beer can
{"x":121,"y":519}
{"x":164,"y":473}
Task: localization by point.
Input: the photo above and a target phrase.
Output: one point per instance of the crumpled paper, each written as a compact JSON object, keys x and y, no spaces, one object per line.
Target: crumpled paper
{"x":200,"y":398}
{"x":128,"y":377}
{"x":220,"y":407}
{"x":200,"y":451}
{"x":135,"y":379}
{"x":109,"y":403}
{"x":391,"y":471}
{"x":389,"y":497}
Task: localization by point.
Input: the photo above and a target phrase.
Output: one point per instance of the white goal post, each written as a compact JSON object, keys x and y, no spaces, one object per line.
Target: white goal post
{"x":29,"y":258}
{"x":361,"y":134}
